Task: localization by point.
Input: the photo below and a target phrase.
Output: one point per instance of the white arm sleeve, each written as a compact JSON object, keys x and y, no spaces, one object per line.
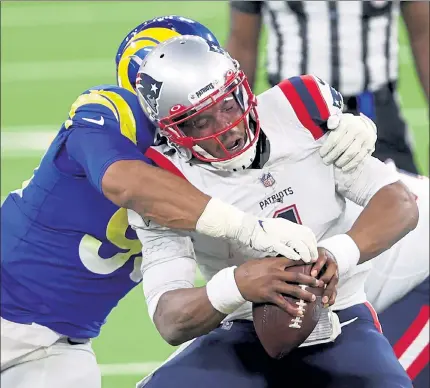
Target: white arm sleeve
{"x":168,"y":260}
{"x":361,"y":184}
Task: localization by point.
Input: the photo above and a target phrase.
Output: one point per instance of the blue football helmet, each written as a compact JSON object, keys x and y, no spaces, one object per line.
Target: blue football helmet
{"x":142,"y":39}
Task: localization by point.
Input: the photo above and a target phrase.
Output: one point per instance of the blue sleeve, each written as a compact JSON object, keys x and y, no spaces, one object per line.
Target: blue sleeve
{"x":95,"y":147}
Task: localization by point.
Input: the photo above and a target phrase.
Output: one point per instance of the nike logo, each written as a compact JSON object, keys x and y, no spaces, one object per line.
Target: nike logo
{"x":99,"y":122}
{"x":261,"y":224}
{"x":348,"y":322}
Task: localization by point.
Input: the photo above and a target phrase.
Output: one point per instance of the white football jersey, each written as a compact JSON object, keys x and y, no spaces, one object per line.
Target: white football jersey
{"x":294,"y":183}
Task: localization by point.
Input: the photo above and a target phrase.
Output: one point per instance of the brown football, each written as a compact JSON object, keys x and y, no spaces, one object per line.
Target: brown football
{"x":280,"y":332}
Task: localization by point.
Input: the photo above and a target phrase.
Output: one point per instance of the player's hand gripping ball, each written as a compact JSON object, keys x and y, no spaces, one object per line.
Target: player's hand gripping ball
{"x":280,"y":332}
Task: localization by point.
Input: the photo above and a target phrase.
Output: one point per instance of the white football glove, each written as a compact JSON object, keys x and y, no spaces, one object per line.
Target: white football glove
{"x":279,"y":236}
{"x":351,"y":139}
{"x":268,"y":235}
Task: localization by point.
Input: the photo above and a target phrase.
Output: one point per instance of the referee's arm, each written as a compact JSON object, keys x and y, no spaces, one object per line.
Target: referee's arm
{"x":416,"y":17}
{"x":244,"y":34}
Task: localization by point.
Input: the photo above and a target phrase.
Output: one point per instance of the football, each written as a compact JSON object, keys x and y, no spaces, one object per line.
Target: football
{"x":280,"y":332}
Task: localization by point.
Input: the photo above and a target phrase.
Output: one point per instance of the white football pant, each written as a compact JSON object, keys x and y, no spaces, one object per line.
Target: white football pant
{"x":33,"y":356}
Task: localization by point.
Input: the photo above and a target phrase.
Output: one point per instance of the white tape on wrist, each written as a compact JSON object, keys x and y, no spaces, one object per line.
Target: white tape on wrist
{"x":220,"y":219}
{"x":223,"y":293}
{"x":344,"y":250}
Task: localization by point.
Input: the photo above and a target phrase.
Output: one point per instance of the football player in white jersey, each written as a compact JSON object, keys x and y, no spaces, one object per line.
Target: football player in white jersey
{"x":262,"y":155}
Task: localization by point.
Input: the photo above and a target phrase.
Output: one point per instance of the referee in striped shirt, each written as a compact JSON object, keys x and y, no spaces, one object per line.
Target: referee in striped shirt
{"x":352,"y":45}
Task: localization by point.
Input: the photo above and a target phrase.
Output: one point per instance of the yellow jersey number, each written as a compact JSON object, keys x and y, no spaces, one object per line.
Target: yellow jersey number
{"x":115,"y":233}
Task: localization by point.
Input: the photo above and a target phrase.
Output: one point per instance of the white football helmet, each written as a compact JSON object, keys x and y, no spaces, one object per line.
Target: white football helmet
{"x":183,"y":77}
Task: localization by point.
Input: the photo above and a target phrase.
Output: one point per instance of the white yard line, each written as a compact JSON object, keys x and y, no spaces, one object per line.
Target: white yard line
{"x":27,"y":138}
{"x":25,"y":144}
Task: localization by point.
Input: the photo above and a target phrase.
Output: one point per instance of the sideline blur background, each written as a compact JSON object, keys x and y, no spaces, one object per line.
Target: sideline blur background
{"x":53,"y":51}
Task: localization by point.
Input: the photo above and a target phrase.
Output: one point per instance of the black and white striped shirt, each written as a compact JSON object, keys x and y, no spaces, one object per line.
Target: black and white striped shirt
{"x":351,"y":44}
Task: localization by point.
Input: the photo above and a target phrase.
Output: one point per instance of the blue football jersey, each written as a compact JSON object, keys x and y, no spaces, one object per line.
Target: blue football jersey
{"x":68,"y":254}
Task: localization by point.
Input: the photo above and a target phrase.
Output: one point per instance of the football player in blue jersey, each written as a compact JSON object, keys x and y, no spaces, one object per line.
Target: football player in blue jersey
{"x":68,"y":254}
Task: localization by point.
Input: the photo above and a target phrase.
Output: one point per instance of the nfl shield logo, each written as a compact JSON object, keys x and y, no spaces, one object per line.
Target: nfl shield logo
{"x":267,"y":180}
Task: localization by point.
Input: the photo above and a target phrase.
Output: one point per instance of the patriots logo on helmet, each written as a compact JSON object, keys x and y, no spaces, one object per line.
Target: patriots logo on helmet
{"x":149,"y":89}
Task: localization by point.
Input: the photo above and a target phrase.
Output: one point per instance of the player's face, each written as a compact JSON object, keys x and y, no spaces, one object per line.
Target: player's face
{"x":214,"y":120}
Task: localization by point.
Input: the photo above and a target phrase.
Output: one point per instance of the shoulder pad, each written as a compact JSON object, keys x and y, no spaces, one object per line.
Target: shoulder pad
{"x":313,"y":101}
{"x":114,"y":102}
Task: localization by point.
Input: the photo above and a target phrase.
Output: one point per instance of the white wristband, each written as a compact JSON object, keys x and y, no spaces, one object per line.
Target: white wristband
{"x":344,"y":250}
{"x":220,"y":219}
{"x":223,"y":292}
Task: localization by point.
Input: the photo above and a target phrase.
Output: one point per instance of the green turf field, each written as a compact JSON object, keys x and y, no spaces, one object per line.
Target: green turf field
{"x":51,"y":52}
